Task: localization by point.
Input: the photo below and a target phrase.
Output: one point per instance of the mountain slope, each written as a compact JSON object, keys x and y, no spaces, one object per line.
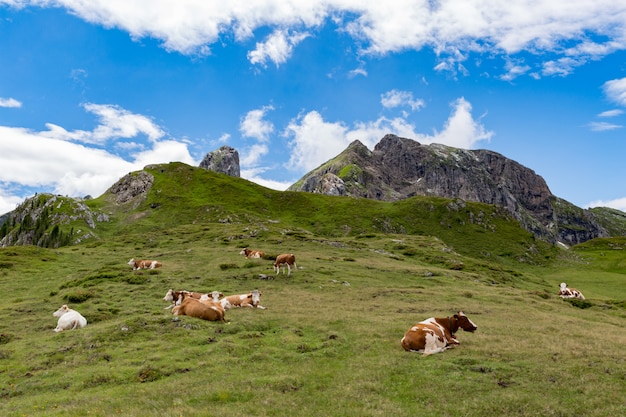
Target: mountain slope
{"x":399,"y":168}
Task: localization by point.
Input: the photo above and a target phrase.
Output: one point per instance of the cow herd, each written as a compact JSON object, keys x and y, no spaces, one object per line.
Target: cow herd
{"x":429,"y":336}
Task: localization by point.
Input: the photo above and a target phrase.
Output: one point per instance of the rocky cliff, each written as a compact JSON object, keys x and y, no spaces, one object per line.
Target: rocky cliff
{"x":399,"y":168}
{"x":224,"y":160}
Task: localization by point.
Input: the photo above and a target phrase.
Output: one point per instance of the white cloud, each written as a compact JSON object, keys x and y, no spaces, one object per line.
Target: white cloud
{"x":514,"y":70}
{"x":10,"y":102}
{"x":611,"y":113}
{"x":567,"y":33}
{"x":251,"y":156}
{"x":277,"y":48}
{"x":254,"y":126}
{"x":461,"y":130}
{"x":615,"y":90}
{"x":618,"y":203}
{"x":254,"y":176}
{"x":396,"y":98}
{"x":602,"y":126}
{"x":315,"y":141}
{"x":53,"y":159}
{"x":115,"y":123}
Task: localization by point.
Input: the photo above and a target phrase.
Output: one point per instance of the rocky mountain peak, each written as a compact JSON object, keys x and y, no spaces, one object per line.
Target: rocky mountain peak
{"x":224,"y":160}
{"x":399,"y":168}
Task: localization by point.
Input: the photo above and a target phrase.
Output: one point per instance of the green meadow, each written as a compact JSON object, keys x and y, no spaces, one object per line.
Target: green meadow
{"x":328,"y":342}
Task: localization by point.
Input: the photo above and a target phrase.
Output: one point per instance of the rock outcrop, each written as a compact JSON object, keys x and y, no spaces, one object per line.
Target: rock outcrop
{"x":224,"y":160}
{"x":399,"y":168}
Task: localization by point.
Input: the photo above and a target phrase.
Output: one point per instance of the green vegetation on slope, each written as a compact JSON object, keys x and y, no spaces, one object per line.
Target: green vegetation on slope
{"x":328,"y":342}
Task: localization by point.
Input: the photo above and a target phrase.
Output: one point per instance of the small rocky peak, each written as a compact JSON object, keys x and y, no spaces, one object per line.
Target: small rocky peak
{"x":224,"y":160}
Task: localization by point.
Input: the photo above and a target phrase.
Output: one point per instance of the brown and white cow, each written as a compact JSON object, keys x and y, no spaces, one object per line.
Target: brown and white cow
{"x":176,"y":297}
{"x":252,"y":254}
{"x":205,"y":310}
{"x":216,"y":297}
{"x":285,"y":259}
{"x":435,"y":335}
{"x":251,"y":299}
{"x":565,"y":292}
{"x":144,"y":264}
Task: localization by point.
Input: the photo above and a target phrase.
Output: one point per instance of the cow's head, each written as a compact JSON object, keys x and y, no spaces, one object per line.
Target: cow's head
{"x":169,"y":296}
{"x":464,"y":322}
{"x":256,"y":297}
{"x":62,"y":310}
{"x":131,"y":262}
{"x":216,"y":295}
{"x":244,"y":252}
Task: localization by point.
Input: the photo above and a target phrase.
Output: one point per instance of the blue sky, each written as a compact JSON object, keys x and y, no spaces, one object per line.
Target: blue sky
{"x":90,"y":91}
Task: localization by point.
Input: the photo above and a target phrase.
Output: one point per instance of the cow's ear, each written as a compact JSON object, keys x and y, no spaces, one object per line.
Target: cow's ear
{"x":456,"y":316}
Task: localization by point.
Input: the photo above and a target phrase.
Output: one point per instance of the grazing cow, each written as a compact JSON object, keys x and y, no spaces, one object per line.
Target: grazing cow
{"x":69,"y":319}
{"x":252,"y":254}
{"x":435,"y":335}
{"x":288,"y":259}
{"x":565,"y":292}
{"x":176,"y":297}
{"x":193,"y":307}
{"x":251,"y":299}
{"x":144,"y":264}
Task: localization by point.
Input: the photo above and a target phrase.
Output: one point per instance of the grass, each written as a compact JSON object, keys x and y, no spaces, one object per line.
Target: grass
{"x":328,"y":342}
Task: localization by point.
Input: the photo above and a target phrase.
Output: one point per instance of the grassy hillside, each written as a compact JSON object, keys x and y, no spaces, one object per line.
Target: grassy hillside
{"x":328,"y":342}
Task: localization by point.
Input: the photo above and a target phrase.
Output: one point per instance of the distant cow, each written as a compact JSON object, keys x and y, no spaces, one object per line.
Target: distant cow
{"x":176,"y":297}
{"x":565,"y":292}
{"x":144,"y":264}
{"x":252,"y":254}
{"x":286,"y":259}
{"x":193,"y":307}
{"x":435,"y":335}
{"x":69,"y":319}
{"x":251,"y":299}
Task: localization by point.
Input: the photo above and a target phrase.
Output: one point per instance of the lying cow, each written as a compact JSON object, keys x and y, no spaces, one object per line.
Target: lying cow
{"x":252,"y":254}
{"x":216,"y":297}
{"x":144,"y":264}
{"x":205,"y":310}
{"x":176,"y":297}
{"x":251,"y":299}
{"x":69,"y":319}
{"x":286,"y":259}
{"x":565,"y":292}
{"x":435,"y":335}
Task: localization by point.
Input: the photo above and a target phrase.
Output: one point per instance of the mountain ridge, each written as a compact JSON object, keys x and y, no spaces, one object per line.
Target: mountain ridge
{"x":399,"y":168}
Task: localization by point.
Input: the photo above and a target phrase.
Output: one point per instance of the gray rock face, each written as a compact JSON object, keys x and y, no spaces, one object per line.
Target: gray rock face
{"x":399,"y":168}
{"x":131,"y":186}
{"x":224,"y":160}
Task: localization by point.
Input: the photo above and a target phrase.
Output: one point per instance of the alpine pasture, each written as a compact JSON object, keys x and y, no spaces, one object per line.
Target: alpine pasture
{"x":328,"y":342}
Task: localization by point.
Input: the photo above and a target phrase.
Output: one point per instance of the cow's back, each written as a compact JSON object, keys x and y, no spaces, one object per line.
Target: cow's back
{"x":194,"y":308}
{"x":424,"y":337}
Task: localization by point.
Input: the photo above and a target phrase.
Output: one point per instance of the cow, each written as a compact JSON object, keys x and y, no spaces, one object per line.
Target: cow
{"x":144,"y":264}
{"x":252,"y":254}
{"x":435,"y":335}
{"x":565,"y":292}
{"x":251,"y":299}
{"x":176,"y":297}
{"x":69,"y":319}
{"x":288,"y":259}
{"x":216,"y":297}
{"x":205,"y":310}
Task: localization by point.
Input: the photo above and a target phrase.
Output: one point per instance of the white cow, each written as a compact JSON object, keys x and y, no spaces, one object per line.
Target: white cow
{"x":69,"y":319}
